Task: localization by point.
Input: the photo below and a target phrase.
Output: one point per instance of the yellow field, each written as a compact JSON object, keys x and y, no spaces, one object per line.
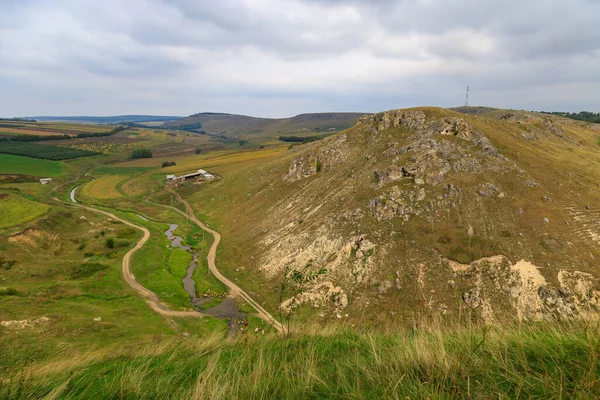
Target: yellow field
{"x":104,"y":187}
{"x":217,"y":161}
{"x":21,"y":131}
{"x":16,"y":210}
{"x":137,"y":186}
{"x":49,"y":128}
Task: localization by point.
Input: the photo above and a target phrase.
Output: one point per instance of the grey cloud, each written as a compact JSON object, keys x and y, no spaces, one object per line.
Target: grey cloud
{"x":283,"y":57}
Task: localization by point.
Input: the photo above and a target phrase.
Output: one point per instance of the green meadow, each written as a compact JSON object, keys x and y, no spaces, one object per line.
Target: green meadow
{"x":18,"y":165}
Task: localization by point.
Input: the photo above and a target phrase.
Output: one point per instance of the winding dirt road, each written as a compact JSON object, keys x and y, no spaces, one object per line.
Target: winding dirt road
{"x":234,"y":289}
{"x":150,"y":297}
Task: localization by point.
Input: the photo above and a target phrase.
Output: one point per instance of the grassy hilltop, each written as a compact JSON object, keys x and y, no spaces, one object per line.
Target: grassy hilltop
{"x":419,"y":253}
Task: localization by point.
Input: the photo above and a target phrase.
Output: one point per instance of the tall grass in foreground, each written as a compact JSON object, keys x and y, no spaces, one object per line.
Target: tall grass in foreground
{"x":529,"y":361}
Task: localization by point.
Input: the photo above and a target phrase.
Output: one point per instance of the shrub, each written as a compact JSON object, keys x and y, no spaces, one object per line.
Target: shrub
{"x":168,"y":164}
{"x":85,"y":270}
{"x":198,"y":150}
{"x":110,"y":243}
{"x":126,"y":233}
{"x":140,"y":153}
{"x":6,"y":264}
{"x":8,"y":291}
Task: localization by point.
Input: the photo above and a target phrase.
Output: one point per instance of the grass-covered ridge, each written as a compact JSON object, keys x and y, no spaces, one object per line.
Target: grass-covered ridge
{"x":535,"y":361}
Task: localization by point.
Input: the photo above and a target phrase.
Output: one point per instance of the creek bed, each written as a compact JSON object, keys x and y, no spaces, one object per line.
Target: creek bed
{"x":226,"y":309}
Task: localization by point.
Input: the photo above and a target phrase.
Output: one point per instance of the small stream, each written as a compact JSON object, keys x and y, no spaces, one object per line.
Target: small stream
{"x":224,"y":310}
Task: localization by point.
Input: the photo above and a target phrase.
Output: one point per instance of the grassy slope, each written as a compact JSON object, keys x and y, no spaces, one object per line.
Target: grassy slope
{"x":252,"y":201}
{"x":10,"y":164}
{"x":539,"y":361}
{"x":16,"y":210}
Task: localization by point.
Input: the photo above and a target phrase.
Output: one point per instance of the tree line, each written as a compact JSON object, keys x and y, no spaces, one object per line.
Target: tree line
{"x":301,"y":139}
{"x":39,"y":138}
{"x":586,"y":116}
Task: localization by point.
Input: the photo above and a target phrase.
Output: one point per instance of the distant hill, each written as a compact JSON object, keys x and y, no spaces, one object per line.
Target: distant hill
{"x":107,"y":120}
{"x":244,"y":126}
{"x":585,"y":116}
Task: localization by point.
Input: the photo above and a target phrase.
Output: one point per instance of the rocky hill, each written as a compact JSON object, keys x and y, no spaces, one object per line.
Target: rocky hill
{"x":424,"y":213}
{"x":245,"y":127}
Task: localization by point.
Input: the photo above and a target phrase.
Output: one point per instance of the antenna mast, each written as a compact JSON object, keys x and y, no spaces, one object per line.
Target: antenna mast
{"x":467,"y":98}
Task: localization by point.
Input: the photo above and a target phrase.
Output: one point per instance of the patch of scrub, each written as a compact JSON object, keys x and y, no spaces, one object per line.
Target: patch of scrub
{"x":17,"y":210}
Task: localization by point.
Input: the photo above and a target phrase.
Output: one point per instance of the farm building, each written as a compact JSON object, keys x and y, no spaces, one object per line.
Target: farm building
{"x":198,"y":174}
{"x":45,"y":181}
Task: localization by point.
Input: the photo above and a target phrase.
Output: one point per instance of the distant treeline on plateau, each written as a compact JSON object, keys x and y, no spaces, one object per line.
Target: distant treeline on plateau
{"x":580,"y":116}
{"x":39,"y":138}
{"x":301,"y":139}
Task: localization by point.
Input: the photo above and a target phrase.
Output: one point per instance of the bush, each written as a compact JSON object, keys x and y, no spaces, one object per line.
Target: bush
{"x":6,"y":264}
{"x":168,"y":164}
{"x":198,"y":150}
{"x":8,"y":291}
{"x":140,"y":153}
{"x":126,"y":233}
{"x":110,"y":243}
{"x":85,"y":270}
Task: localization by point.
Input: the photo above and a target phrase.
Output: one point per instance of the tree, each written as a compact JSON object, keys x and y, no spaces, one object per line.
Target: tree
{"x":110,"y":243}
{"x":141,"y":153}
{"x":198,"y":150}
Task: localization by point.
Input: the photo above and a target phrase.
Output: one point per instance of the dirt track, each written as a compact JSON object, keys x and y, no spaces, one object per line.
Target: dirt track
{"x":234,"y":289}
{"x":151,"y":298}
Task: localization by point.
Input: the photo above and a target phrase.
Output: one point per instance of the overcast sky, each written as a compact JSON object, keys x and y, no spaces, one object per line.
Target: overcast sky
{"x":278,"y":58}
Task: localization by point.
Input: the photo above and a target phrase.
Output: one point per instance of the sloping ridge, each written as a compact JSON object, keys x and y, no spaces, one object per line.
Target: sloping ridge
{"x":221,"y":123}
{"x":390,"y":208}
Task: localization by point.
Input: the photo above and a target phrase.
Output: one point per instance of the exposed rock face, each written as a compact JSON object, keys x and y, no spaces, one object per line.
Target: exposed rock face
{"x":26,"y":323}
{"x":500,"y":287}
{"x":407,"y":187}
{"x":320,"y":294}
{"x":321,"y":159}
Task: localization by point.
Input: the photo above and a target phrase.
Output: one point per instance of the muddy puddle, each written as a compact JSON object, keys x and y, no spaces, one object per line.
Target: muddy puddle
{"x":226,"y":309}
